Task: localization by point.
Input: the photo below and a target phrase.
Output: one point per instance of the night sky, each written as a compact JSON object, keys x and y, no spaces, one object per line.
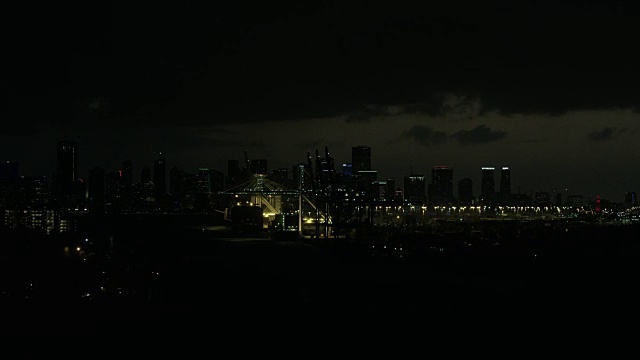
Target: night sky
{"x":547,"y":88}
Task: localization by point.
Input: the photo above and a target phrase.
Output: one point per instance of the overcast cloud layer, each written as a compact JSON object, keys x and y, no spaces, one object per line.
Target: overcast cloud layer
{"x":550,"y":89}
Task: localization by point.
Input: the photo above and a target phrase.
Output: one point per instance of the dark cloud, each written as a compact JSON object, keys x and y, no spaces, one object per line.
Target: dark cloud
{"x":366,"y":114}
{"x":321,"y":143}
{"x":532,"y":141}
{"x":478,"y":135}
{"x":425,"y":135}
{"x":601,"y":135}
{"x":197,"y":64}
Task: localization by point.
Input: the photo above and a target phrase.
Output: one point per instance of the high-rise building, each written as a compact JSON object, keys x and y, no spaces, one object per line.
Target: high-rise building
{"x":9,"y":171}
{"x":40,"y":197}
{"x":347,"y":169}
{"x":542,"y":198}
{"x":441,"y":188}
{"x":204,"y":181}
{"x":391,"y":189}
{"x":234,"y":173}
{"x":465,"y":191}
{"x":217,"y":180}
{"x":361,"y":158}
{"x":127,"y":173}
{"x":488,"y":189}
{"x":505,"y":184}
{"x":280,"y":175}
{"x":365,"y":180}
{"x":160,"y":177}
{"x":379,"y":192}
{"x":630,"y":198}
{"x":67,"y":167}
{"x":9,"y":183}
{"x":113,"y":191}
{"x":414,"y":188}
{"x":575,"y":200}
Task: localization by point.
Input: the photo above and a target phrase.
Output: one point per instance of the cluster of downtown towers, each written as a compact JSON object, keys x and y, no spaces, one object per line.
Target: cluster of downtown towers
{"x":118,"y":190}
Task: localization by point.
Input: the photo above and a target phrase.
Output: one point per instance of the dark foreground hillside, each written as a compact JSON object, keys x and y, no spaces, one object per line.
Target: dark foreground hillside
{"x":190,"y":282}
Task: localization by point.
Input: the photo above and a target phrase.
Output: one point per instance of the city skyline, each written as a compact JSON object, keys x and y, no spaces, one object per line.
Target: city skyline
{"x":451,"y":83}
{"x":136,"y":173}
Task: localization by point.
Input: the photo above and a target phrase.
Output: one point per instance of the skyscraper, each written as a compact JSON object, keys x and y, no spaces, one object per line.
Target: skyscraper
{"x":391,"y":189}
{"x":488,"y":190}
{"x":361,"y":158}
{"x":630,"y":198}
{"x":465,"y":191}
{"x":414,"y":188}
{"x":127,"y":173}
{"x":234,"y":173}
{"x":505,"y":184}
{"x":204,"y":181}
{"x":347,"y":169}
{"x":441,"y":188}
{"x":67,"y":167}
{"x":280,"y":175}
{"x":160,"y":177}
{"x":9,"y":171}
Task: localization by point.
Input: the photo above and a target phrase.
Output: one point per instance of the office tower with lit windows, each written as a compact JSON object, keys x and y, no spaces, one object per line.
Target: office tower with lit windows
{"x":414,"y":189}
{"x":361,"y":158}
{"x":203,"y":180}
{"x":280,"y":175}
{"x":465,"y":191}
{"x":67,"y":168}
{"x":488,"y":189}
{"x":347,"y":169}
{"x":505,"y":185}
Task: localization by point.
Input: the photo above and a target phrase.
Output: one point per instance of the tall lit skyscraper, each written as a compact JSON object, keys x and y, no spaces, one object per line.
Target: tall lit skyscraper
{"x":488,"y":190}
{"x":414,"y":188}
{"x":67,"y":167}
{"x":505,"y":184}
{"x":361,"y":158}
